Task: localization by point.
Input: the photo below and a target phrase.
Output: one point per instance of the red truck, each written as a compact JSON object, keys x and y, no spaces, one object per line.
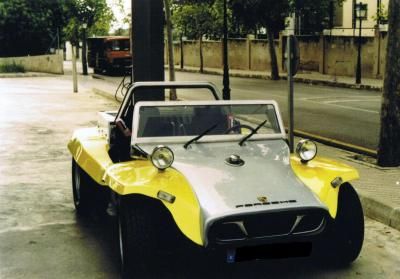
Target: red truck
{"x":109,"y":54}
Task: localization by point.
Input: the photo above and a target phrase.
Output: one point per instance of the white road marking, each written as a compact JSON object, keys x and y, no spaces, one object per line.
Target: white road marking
{"x":345,"y":101}
{"x":335,"y":103}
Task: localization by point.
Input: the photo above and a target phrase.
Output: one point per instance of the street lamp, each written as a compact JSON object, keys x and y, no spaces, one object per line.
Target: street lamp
{"x":226,"y":91}
{"x":84,"y":56}
{"x":361,"y":14}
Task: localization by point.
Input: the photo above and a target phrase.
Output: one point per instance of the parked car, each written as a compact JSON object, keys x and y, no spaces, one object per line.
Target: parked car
{"x":216,"y":174}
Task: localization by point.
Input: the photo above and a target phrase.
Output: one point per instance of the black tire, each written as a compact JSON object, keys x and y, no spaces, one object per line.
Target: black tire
{"x":347,"y":231}
{"x":80,"y":189}
{"x":90,"y":199}
{"x":137,"y":240}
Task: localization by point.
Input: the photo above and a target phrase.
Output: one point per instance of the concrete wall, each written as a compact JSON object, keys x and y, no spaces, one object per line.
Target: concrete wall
{"x":259,"y":55}
{"x":310,"y":53}
{"x":212,"y":54}
{"x":333,"y":55}
{"x":42,"y":63}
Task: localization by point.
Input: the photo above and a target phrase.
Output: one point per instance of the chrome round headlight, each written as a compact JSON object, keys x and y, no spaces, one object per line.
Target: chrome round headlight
{"x":306,"y":150}
{"x":162,"y":157}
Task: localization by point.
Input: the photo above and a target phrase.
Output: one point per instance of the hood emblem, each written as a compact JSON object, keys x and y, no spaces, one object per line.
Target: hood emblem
{"x":234,"y":160}
{"x":262,"y":199}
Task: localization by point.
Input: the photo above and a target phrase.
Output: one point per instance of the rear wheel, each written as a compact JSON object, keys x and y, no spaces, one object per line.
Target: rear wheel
{"x":89,"y":197}
{"x":347,"y":232}
{"x":80,"y":189}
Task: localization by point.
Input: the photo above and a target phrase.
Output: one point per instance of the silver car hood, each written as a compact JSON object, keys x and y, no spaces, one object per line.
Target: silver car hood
{"x":224,"y":190}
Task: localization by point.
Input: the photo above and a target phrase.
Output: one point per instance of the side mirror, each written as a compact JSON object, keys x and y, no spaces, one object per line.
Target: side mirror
{"x":120,"y":124}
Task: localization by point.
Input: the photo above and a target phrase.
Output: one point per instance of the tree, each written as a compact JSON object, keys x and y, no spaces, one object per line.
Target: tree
{"x":389,"y":140}
{"x":196,"y":19}
{"x":270,"y":14}
{"x":30,"y":27}
{"x":253,"y":15}
{"x":91,"y":17}
{"x":315,"y":15}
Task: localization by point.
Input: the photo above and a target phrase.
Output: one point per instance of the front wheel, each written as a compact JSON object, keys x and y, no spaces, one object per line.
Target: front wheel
{"x":347,"y":232}
{"x":136,"y":240}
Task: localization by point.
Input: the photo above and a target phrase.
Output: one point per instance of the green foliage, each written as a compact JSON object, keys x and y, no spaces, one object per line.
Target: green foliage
{"x":12,"y":68}
{"x":29,"y":27}
{"x":315,"y":14}
{"x":382,"y":14}
{"x":197,"y":18}
{"x":94,"y":13}
{"x":251,"y":15}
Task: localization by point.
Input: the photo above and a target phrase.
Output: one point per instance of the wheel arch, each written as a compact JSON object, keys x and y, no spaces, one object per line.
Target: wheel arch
{"x":319,"y":174}
{"x":141,"y":181}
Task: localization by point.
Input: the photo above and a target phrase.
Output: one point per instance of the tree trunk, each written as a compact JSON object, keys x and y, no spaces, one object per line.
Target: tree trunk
{"x":389,"y":140}
{"x":182,"y":57}
{"x":172,"y":92}
{"x":272,"y":54}
{"x":74,"y":73}
{"x":201,"y":53}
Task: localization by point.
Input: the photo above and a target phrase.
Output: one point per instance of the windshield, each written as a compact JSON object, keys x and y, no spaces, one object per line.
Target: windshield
{"x":193,"y":120}
{"x":119,"y":45}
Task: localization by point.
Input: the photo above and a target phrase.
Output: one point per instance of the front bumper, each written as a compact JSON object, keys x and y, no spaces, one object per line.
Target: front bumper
{"x":281,"y":226}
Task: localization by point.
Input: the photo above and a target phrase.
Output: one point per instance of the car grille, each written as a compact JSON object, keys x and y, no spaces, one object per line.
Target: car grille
{"x":267,"y":225}
{"x":122,"y":62}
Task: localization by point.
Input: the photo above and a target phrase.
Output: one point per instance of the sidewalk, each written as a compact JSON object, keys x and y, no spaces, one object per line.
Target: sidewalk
{"x":304,"y":77}
{"x":379,"y":188}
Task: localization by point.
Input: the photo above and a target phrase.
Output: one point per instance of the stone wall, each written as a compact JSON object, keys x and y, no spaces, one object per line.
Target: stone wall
{"x":332,"y":55}
{"x":52,"y":64}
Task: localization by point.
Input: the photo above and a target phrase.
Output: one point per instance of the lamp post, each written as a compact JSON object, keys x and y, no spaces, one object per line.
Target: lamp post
{"x":226,"y":91}
{"x":361,"y":14}
{"x":84,"y":56}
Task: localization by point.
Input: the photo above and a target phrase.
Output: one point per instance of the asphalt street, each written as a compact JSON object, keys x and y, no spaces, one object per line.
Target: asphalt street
{"x":347,"y":115}
{"x":40,"y":235}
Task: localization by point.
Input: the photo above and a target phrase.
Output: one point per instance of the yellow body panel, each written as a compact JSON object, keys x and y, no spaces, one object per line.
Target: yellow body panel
{"x":90,"y":151}
{"x":318,"y":175}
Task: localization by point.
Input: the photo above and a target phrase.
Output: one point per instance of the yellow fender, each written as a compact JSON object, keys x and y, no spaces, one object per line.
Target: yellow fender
{"x":90,"y":151}
{"x":318,"y":174}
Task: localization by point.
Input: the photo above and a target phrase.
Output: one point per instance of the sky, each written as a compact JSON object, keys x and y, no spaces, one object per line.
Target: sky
{"x":119,"y":15}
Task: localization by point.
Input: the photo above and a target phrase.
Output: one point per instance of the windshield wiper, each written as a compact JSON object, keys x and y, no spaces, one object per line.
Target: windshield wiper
{"x":252,"y":133}
{"x":200,"y":135}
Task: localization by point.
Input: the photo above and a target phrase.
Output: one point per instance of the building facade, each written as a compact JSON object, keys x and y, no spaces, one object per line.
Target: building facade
{"x":346,"y":23}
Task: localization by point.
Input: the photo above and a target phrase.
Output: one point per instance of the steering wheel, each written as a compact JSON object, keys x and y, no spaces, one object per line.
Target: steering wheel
{"x":227,"y":131}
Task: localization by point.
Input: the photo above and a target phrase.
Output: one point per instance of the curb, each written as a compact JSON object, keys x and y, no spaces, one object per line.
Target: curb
{"x":296,"y":79}
{"x":104,"y":94}
{"x":337,"y":143}
{"x":26,"y":75}
{"x":379,"y":211}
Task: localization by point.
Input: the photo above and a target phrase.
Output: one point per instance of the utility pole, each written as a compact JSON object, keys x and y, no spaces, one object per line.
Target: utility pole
{"x":84,"y":50}
{"x":226,"y":91}
{"x":289,"y":64}
{"x":172,"y":92}
{"x":74,"y":74}
{"x":148,"y":46}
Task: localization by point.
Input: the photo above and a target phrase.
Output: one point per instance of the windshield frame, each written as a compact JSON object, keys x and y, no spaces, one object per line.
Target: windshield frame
{"x":206,"y":138}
